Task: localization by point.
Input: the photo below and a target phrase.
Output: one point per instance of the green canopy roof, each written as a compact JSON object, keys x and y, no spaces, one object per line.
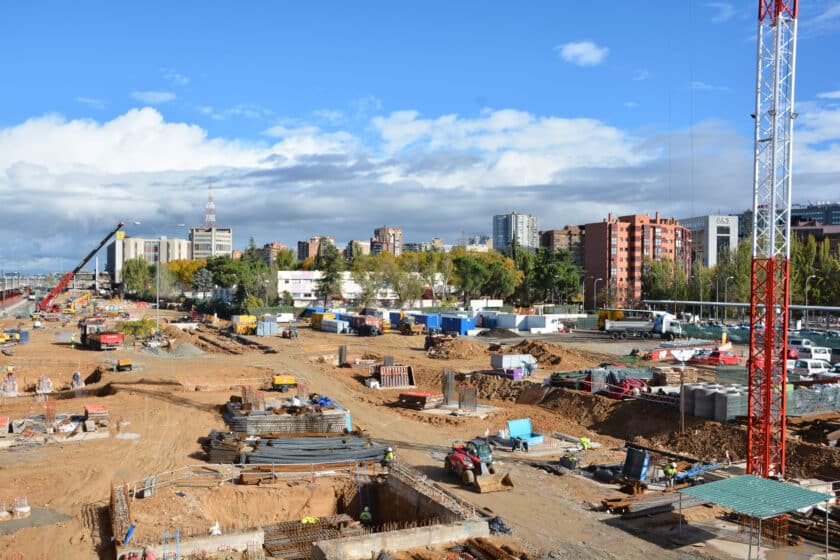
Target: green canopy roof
{"x":755,"y":496}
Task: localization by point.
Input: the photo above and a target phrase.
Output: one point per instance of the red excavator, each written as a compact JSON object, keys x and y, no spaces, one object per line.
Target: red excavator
{"x":46,"y":306}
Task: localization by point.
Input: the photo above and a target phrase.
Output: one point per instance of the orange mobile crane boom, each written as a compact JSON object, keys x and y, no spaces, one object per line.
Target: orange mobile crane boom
{"x":44,"y":305}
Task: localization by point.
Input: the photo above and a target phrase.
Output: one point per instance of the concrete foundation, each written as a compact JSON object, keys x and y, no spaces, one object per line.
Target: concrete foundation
{"x":237,"y":541}
{"x":367,"y":545}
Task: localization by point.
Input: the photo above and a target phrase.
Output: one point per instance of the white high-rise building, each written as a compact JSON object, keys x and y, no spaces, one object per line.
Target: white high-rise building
{"x":154,"y":250}
{"x":523,"y":227}
{"x":711,"y":235}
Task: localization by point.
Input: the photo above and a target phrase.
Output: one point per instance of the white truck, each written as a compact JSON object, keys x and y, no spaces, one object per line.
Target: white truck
{"x":664,"y":325}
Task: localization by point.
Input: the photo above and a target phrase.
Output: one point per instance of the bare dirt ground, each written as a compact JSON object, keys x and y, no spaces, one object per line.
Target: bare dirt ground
{"x":162,"y":410}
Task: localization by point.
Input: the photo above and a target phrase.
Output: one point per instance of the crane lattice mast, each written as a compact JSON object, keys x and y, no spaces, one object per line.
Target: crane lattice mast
{"x":770,"y":283}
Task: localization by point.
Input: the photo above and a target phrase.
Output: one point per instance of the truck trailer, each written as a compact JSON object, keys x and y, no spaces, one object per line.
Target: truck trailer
{"x":664,"y":325}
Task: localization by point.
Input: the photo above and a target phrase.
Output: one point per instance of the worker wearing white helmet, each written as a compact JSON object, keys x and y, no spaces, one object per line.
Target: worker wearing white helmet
{"x":670,"y":474}
{"x":366,"y":518}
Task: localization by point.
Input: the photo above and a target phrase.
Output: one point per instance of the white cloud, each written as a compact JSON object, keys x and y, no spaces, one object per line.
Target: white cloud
{"x":174,"y":77}
{"x":91,"y":102}
{"x":725,"y":11}
{"x":829,"y":95}
{"x":242,"y":110}
{"x":582,"y":53}
{"x":366,"y":106}
{"x":153,"y":97}
{"x":631,"y":104}
{"x":641,"y":75}
{"x":299,"y":180}
{"x":331,"y":116}
{"x":703,"y":86}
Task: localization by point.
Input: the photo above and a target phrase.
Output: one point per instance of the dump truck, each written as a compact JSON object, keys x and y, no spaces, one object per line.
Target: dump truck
{"x":664,"y":325}
{"x":282,"y":383}
{"x":95,"y":335}
{"x":473,"y":471}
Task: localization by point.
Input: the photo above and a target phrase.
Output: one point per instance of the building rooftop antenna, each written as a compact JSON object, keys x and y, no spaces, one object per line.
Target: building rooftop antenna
{"x":210,"y":209}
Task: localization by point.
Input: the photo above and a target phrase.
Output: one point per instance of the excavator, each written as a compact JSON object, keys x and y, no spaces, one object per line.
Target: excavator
{"x":46,"y":305}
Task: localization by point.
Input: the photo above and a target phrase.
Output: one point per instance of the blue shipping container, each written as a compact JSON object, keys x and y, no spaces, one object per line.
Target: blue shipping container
{"x":394,"y":317}
{"x":431,"y":321}
{"x":310,"y":310}
{"x":451,"y":323}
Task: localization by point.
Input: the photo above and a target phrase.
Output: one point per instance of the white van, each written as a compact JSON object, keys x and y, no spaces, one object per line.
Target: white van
{"x":815,"y":353}
{"x":807,"y":369}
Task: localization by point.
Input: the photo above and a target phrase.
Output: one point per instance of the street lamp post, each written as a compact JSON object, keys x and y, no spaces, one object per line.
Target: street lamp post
{"x":595,"y":289}
{"x":161,"y":239}
{"x":726,"y":297}
{"x":807,"y":311}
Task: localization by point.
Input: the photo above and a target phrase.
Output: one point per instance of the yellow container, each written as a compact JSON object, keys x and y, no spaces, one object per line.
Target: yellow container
{"x":318,"y":317}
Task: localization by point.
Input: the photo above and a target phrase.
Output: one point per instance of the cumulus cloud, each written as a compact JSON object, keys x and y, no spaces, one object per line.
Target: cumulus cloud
{"x":582,"y":53}
{"x":299,"y":180}
{"x":829,"y":95}
{"x":153,"y":97}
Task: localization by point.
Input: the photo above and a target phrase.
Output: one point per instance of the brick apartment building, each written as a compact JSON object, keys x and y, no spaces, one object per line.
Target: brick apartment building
{"x":570,"y":238}
{"x":615,"y":249}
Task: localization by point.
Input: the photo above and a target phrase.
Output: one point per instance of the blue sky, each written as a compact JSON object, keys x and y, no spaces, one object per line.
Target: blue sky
{"x":335,"y":117}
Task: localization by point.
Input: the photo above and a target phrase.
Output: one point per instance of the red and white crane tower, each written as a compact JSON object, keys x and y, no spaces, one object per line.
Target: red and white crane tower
{"x":769,"y":294}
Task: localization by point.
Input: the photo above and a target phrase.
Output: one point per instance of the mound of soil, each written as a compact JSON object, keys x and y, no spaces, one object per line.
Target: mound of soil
{"x":458,"y":349}
{"x":548,"y":354}
{"x":499,"y":333}
{"x":493,"y":387}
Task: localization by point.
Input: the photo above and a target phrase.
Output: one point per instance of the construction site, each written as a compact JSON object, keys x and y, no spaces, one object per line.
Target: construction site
{"x":133,"y":432}
{"x":220,"y":446}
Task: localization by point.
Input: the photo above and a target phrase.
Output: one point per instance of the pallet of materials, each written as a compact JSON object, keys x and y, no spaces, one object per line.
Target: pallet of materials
{"x":421,"y":400}
{"x":97,"y":414}
{"x":671,"y":376}
{"x":391,"y":377}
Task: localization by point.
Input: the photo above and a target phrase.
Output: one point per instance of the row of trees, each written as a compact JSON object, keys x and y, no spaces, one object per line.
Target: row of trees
{"x":814,"y":267}
{"x":519,"y":276}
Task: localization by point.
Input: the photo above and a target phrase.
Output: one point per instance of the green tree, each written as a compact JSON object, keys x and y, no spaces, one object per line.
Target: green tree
{"x":286,"y":299}
{"x":135,"y":275}
{"x":555,"y":273}
{"x":285,"y":260}
{"x":472,"y":274}
{"x":330,"y":263}
{"x":369,"y":274}
{"x":202,"y":281}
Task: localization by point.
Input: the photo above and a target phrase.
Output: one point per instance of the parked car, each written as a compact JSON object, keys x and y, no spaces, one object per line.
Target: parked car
{"x":799,"y":343}
{"x":807,"y":369}
{"x":700,"y":356}
{"x":718,"y":358}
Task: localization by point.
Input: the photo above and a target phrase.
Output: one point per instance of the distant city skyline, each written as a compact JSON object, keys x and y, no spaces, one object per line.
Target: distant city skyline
{"x":433,"y":117}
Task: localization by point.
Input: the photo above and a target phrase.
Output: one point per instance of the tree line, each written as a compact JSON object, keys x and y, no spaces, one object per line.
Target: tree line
{"x":814,"y":268}
{"x":520,"y":277}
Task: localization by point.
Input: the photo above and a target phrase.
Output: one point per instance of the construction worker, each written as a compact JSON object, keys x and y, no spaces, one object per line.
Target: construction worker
{"x":584,"y":443}
{"x":366,"y":518}
{"x":670,"y":474}
{"x":389,"y":457}
{"x":72,"y":341}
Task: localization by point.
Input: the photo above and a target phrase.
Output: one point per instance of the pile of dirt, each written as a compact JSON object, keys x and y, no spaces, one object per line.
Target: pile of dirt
{"x":458,"y":349}
{"x":499,"y":333}
{"x":548,"y":354}
{"x":494,"y":387}
{"x":185,"y":350}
